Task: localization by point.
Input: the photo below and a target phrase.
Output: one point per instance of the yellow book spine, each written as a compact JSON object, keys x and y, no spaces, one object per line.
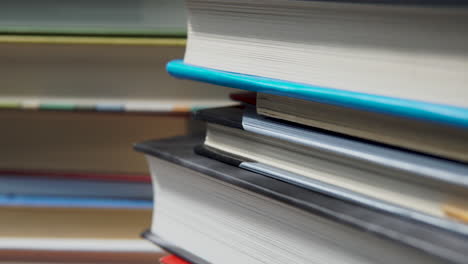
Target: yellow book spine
{"x":91,"y":40}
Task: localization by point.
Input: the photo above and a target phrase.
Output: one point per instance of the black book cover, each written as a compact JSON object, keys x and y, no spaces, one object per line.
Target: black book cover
{"x":438,"y":242}
{"x":167,"y":246}
{"x":225,"y":116}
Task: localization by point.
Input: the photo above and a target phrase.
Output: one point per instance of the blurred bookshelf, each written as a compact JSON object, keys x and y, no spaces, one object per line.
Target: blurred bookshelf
{"x":82,"y":81}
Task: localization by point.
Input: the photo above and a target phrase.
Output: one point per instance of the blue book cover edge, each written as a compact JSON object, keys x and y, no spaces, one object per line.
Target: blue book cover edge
{"x":72,"y":202}
{"x":445,"y":114}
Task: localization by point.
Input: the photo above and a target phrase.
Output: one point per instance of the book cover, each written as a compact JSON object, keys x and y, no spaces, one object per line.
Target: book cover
{"x":178,"y":151}
{"x":451,"y":115}
{"x":172,"y":259}
{"x":246,"y":97}
{"x":14,"y":184}
{"x":51,"y":201}
{"x":382,"y":162}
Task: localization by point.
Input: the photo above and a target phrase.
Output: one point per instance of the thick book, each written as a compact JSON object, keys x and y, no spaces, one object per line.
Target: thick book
{"x":225,"y":214}
{"x":429,"y":137}
{"x":417,"y":186}
{"x":414,"y":50}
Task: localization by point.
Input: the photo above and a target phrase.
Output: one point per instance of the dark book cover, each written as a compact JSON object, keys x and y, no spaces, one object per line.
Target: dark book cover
{"x":438,"y":242}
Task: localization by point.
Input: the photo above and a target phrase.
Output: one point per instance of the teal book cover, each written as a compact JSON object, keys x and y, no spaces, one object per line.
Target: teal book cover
{"x":445,"y":114}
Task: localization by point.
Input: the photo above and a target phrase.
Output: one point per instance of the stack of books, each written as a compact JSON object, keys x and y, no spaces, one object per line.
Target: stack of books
{"x":352,"y":147}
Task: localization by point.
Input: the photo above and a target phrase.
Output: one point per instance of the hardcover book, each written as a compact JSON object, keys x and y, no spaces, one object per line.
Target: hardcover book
{"x":415,"y":50}
{"x":418,"y":186}
{"x":424,"y":136}
{"x":229,"y":215}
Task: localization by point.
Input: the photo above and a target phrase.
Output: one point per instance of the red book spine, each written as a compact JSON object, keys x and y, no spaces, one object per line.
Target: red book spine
{"x":172,"y":259}
{"x":245,"y":97}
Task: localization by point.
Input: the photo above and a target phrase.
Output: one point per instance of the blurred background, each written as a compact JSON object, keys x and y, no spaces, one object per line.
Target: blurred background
{"x":80,"y":83}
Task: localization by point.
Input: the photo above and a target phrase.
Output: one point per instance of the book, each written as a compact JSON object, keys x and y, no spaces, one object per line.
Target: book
{"x":225,"y":214}
{"x":46,"y":250}
{"x":102,"y":177}
{"x":72,"y":187}
{"x":103,"y":17}
{"x":424,"y":136}
{"x":73,"y":218}
{"x":81,"y":142}
{"x":393,"y":180}
{"x":407,"y":50}
{"x":413,"y":109}
{"x":172,"y":259}
{"x":57,"y":201}
{"x":245,"y":97}
{"x":114,"y":74}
